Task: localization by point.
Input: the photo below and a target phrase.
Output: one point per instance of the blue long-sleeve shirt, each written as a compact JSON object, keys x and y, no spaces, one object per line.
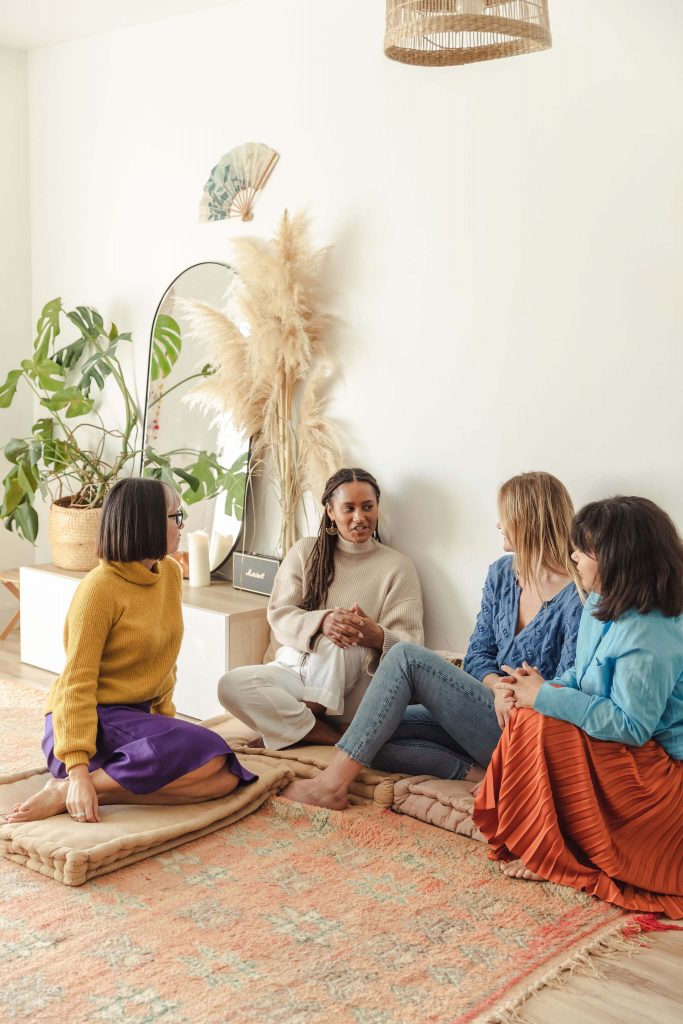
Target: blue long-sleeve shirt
{"x":627,"y":684}
{"x":548,"y":641}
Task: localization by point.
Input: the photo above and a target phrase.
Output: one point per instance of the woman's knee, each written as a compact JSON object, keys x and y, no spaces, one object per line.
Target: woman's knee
{"x":403,"y":657}
{"x":405,"y":652}
{"x":222,"y":690}
{"x":230,"y":686}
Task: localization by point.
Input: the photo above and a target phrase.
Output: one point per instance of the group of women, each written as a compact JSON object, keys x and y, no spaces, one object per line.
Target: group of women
{"x":566,"y":717}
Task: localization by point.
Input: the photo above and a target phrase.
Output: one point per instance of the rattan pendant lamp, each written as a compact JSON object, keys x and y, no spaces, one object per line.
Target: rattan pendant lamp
{"x":435,"y":33}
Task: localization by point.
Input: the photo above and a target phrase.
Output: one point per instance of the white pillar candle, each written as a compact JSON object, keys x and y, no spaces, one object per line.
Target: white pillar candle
{"x":221,"y":545}
{"x":198,"y":546}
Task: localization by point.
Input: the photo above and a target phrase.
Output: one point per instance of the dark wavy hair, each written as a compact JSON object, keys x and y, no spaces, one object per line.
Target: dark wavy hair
{"x":639,"y":554}
{"x":320,"y":564}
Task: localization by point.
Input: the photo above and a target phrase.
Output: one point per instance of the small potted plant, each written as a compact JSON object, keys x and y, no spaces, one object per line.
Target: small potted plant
{"x":73,"y":454}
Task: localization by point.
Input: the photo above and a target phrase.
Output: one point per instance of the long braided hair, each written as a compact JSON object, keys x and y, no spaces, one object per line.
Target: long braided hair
{"x":320,"y":564}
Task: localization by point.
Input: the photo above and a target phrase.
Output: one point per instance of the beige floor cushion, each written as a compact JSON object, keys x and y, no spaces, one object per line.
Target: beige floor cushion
{"x":73,"y":852}
{"x":442,"y":802}
{"x":371,"y":786}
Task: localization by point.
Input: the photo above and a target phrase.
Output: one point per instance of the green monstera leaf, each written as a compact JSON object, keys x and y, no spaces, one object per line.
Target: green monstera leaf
{"x":166,"y":346}
{"x":9,"y":389}
{"x":71,"y":399}
{"x":73,"y":447}
{"x":47,"y":328}
{"x":235,"y":486}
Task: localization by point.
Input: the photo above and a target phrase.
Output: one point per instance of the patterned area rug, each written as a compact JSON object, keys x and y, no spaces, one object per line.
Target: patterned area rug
{"x":292,"y":916}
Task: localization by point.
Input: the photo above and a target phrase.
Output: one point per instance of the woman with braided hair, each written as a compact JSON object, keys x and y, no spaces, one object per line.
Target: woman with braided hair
{"x":423,"y":716}
{"x":340,"y":602}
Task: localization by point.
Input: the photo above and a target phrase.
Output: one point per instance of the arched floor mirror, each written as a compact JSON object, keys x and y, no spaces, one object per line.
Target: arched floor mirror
{"x":183,"y":445}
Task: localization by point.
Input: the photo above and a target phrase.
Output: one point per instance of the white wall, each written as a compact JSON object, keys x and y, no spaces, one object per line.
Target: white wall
{"x":15,"y":270}
{"x":508,"y":238}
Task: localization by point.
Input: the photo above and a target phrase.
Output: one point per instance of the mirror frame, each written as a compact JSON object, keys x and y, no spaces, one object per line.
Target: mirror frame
{"x":238,"y":538}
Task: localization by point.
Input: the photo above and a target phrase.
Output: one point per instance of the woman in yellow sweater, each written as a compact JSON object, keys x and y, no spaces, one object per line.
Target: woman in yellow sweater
{"x":110,"y":732}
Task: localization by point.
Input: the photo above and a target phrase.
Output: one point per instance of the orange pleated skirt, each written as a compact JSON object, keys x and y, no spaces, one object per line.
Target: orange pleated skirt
{"x":602,"y":817}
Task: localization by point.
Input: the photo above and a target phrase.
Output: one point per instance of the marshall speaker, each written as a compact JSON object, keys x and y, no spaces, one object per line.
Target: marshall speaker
{"x":254,"y":572}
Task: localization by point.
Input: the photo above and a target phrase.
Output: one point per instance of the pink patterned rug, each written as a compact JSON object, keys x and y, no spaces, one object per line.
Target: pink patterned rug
{"x":291,"y":916}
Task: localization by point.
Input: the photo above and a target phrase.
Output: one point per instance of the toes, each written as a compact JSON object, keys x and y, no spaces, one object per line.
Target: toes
{"x":512,"y":868}
{"x":517,"y":869}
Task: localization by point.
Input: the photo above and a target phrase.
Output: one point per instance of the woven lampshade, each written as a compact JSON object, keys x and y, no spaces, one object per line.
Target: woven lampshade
{"x":435,"y":33}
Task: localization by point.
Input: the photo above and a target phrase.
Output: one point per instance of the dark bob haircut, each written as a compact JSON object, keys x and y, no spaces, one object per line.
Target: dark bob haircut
{"x":639,"y":555}
{"x":134,"y":521}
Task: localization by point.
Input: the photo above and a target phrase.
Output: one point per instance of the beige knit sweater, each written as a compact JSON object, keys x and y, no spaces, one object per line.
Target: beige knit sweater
{"x":381,"y":580}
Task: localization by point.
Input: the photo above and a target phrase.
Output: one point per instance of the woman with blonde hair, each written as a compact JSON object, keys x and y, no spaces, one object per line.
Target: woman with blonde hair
{"x":422,"y":715}
{"x":586,"y":786}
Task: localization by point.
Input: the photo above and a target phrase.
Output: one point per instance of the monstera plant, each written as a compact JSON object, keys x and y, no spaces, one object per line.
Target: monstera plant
{"x":89,"y":429}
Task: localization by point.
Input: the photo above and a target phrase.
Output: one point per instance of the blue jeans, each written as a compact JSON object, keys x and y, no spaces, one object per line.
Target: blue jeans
{"x":453,"y":725}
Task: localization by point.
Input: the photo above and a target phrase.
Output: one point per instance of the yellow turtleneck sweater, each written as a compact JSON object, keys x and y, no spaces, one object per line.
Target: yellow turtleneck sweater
{"x":122,"y":636}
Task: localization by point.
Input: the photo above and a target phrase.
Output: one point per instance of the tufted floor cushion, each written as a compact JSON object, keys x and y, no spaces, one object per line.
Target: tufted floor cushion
{"x":372,"y":785}
{"x":73,"y":852}
{"x":442,"y":802}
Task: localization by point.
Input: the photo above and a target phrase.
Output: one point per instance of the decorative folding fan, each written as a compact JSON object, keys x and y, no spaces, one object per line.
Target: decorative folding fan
{"x":235,"y":181}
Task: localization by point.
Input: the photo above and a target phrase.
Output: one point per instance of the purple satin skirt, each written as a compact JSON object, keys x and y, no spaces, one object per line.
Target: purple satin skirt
{"x":144,"y":752}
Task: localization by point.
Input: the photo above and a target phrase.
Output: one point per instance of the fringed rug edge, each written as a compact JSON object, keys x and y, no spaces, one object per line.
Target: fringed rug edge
{"x":616,"y":939}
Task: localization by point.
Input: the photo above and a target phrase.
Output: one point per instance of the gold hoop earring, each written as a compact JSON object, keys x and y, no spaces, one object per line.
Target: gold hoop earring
{"x":332,"y":531}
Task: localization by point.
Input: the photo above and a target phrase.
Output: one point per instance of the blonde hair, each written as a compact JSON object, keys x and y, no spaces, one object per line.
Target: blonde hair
{"x":536,"y":512}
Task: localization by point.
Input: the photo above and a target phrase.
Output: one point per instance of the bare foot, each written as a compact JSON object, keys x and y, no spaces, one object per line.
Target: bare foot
{"x":517,"y":869}
{"x":312,"y":791}
{"x":50,"y":800}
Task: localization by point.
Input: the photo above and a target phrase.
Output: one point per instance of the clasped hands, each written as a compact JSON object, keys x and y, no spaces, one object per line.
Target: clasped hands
{"x":519,"y":688}
{"x":351,"y":627}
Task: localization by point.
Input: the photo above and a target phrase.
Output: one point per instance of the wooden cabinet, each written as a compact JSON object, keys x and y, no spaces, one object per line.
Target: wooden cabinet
{"x":224,"y":628}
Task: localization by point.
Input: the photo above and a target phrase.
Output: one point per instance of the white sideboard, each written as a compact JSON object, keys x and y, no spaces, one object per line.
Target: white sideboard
{"x":224,"y":628}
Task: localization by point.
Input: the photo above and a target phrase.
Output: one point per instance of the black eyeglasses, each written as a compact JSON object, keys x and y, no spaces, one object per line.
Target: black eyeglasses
{"x":179,"y":517}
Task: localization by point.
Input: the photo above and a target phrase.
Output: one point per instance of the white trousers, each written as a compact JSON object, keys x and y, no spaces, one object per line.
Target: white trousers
{"x":271,"y":698}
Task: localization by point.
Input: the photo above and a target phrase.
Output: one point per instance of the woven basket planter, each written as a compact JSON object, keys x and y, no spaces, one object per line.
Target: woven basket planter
{"x":436,"y":33}
{"x":73,"y":535}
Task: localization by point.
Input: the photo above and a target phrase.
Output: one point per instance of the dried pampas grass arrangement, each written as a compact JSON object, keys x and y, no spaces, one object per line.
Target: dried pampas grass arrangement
{"x":270,"y":381}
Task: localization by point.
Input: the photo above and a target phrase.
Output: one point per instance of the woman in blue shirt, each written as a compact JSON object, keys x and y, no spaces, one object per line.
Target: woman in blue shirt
{"x":586,"y":789}
{"x":423,"y":716}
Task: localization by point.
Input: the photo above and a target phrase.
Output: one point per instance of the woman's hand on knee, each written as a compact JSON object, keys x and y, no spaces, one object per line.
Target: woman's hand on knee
{"x":503,"y":704}
{"x":342,"y":627}
{"x":81,"y":797}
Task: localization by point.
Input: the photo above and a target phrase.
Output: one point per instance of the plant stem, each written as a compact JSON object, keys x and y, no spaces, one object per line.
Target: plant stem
{"x":185,"y":380}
